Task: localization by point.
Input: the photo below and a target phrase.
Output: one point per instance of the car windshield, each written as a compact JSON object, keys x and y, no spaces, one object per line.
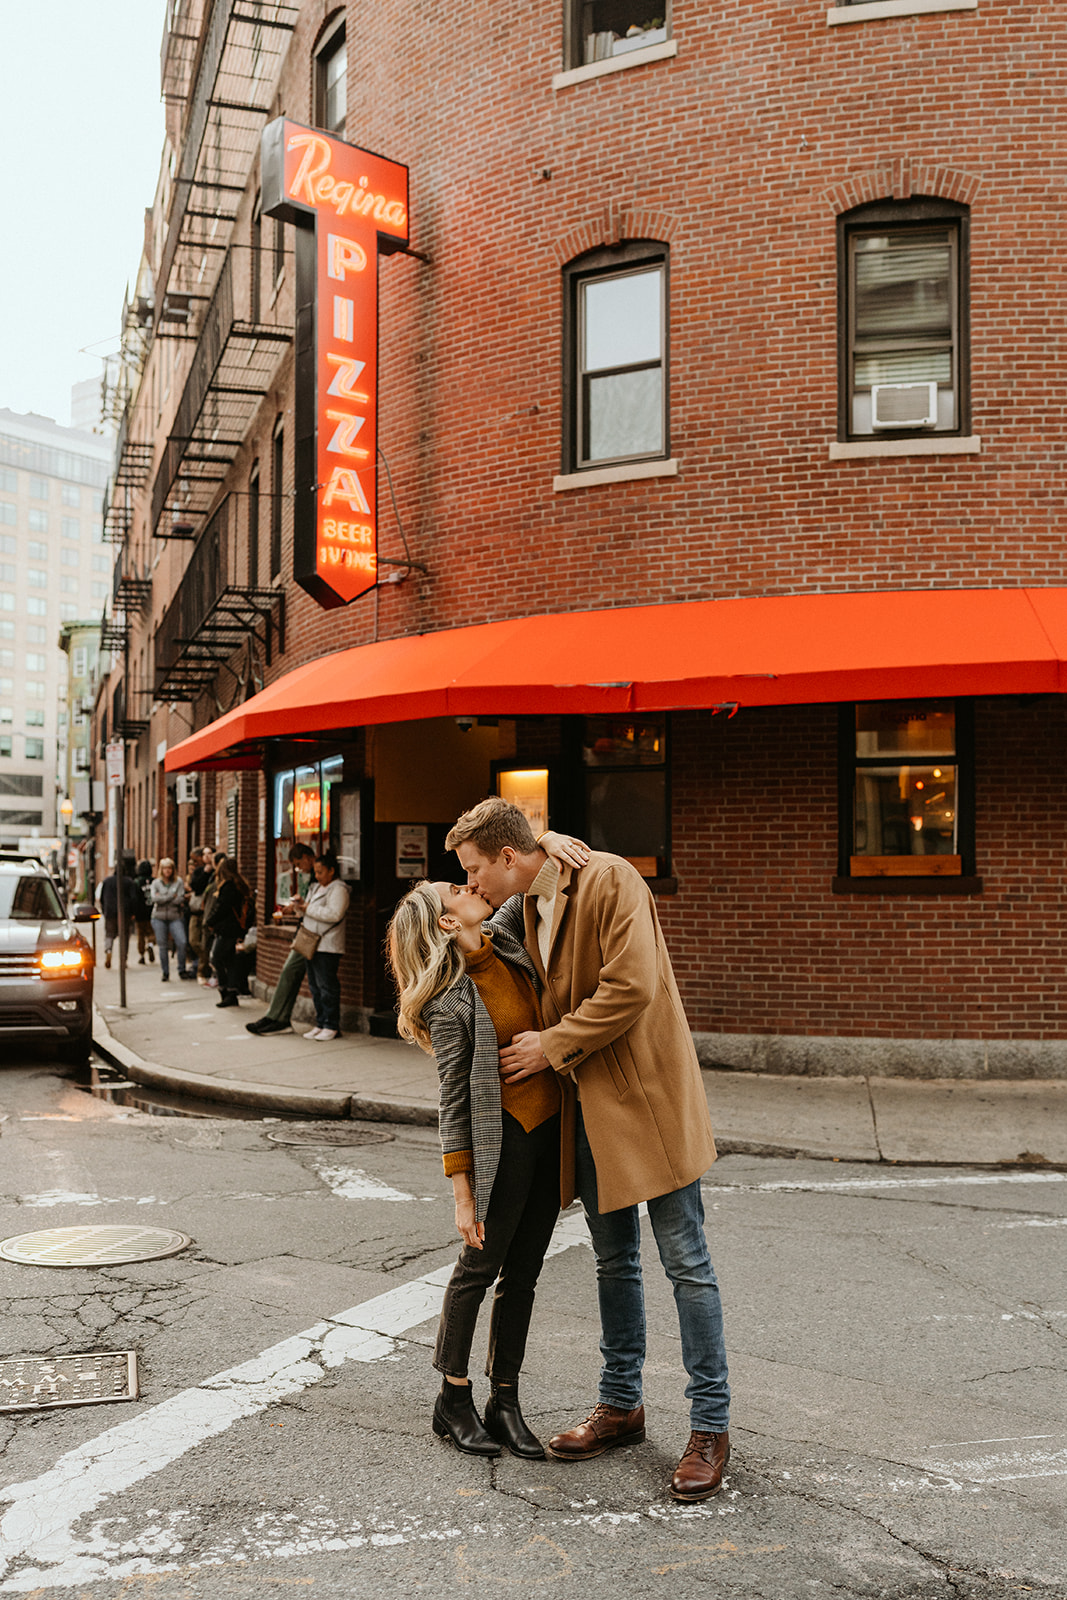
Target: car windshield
{"x":27,"y":897}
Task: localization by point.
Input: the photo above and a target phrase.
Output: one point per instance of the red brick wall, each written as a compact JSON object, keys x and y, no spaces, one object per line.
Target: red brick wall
{"x":741,"y":151}
{"x":761,"y":945}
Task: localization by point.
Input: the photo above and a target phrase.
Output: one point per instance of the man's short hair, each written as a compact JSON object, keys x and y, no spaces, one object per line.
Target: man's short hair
{"x":490,"y":825}
{"x":297,"y":852}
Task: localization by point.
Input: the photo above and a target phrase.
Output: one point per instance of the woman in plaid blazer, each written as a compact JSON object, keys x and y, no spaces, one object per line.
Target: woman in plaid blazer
{"x":465,"y":990}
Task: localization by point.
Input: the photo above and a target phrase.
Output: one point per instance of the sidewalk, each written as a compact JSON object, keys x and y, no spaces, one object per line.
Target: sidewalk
{"x":172,"y":1037}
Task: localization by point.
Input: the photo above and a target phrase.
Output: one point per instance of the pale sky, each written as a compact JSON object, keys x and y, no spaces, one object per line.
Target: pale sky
{"x":81,"y":132}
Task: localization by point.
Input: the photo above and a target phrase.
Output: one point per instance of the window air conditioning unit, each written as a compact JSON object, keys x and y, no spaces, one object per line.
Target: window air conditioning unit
{"x":903,"y":405}
{"x":185,"y":790}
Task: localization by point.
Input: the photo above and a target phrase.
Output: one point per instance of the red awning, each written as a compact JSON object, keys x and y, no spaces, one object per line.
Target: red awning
{"x":790,"y":650}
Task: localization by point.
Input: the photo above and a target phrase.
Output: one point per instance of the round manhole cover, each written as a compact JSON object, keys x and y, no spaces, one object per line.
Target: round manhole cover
{"x":329,"y":1135}
{"x":90,"y":1246}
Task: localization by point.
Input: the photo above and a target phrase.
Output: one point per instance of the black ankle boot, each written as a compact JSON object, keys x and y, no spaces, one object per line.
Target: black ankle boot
{"x":455,"y":1418}
{"x":506,"y":1423}
{"x":229,"y":998}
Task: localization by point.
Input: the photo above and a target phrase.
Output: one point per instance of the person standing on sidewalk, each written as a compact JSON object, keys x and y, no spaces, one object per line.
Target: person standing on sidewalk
{"x":212,"y":861}
{"x":143,"y":912}
{"x":287,"y":988}
{"x":615,"y":1026}
{"x":196,"y":879}
{"x":230,"y":913}
{"x":108,"y":894}
{"x":166,"y":893}
{"x":327,"y":907}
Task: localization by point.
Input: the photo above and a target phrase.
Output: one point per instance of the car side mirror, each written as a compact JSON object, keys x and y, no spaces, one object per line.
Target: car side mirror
{"x":86,"y":913}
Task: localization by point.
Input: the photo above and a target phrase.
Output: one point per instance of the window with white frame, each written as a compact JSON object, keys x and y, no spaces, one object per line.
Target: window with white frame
{"x":71,"y":495}
{"x":331,"y":74}
{"x":615,"y":318}
{"x":599,"y":30}
{"x":903,"y":285}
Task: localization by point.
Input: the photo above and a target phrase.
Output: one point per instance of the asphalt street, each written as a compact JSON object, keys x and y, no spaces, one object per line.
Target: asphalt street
{"x":897,"y":1339}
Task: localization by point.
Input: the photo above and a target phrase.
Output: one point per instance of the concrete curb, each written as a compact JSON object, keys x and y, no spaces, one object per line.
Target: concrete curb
{"x":312,"y":1103}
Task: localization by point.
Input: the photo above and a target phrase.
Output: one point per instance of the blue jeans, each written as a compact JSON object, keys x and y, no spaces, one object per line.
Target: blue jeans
{"x":678,"y":1225}
{"x":164,"y":931}
{"x":325,"y":986}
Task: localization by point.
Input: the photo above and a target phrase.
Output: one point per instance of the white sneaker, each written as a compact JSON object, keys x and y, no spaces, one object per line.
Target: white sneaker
{"x":326,"y":1033}
{"x":313,"y":1034}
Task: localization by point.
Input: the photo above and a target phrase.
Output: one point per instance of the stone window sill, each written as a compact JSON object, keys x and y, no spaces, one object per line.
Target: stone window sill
{"x":628,"y":472}
{"x":875,"y":10}
{"x":932,"y":445}
{"x":633,"y":58}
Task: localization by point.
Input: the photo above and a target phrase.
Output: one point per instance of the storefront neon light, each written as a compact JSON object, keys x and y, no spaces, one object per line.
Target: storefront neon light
{"x":348,"y":206}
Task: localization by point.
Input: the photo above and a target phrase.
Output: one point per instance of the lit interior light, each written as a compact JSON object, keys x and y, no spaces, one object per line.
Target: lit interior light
{"x":919,"y":784}
{"x":917,"y":824}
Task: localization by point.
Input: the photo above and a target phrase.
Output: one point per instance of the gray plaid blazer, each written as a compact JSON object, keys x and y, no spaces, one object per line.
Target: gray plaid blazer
{"x":468,"y":1059}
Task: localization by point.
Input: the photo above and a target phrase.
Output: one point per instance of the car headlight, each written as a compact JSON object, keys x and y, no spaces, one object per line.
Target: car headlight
{"x":63,"y":963}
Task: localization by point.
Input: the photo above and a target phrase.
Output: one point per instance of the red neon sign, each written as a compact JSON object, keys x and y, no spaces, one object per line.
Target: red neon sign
{"x":307,"y":813}
{"x":348,"y":206}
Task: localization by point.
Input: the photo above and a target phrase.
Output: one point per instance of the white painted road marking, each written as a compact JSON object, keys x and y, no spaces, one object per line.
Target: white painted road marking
{"x":352,"y":1183}
{"x":39,"y":1526}
{"x":974,"y":1179}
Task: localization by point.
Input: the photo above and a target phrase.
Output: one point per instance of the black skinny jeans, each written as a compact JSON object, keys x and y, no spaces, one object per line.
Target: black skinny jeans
{"x":522,"y":1213}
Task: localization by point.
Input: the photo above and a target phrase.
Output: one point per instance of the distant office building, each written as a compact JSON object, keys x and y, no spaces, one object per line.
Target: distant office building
{"x":87,"y":407}
{"x":54,"y":569}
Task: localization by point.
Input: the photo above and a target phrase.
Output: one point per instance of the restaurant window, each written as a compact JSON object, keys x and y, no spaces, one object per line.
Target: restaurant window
{"x":624,"y":762}
{"x":903,"y":321}
{"x":277,"y":478}
{"x":331,"y":73}
{"x":615,"y":320}
{"x":907,"y":789}
{"x":599,"y":30}
{"x":306,"y":811}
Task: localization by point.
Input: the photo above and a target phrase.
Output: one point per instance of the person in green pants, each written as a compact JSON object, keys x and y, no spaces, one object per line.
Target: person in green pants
{"x":277,"y":1018}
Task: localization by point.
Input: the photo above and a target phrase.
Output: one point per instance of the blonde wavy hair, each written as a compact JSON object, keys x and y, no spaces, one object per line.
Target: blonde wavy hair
{"x":423,"y":958}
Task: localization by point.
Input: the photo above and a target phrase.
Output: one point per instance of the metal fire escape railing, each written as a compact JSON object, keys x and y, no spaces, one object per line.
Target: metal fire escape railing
{"x":218,"y":606}
{"x":177,"y":55}
{"x":233,"y":364}
{"x":227,"y":80}
{"x":127,"y":724}
{"x":129,"y":595}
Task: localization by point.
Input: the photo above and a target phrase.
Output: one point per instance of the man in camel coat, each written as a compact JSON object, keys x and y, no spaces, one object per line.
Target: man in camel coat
{"x":615,"y":1032}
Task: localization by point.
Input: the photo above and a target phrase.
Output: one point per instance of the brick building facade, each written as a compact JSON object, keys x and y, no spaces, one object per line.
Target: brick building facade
{"x":746,"y":302}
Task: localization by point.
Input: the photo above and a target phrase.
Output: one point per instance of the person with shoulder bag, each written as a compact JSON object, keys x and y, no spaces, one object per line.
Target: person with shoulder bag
{"x":166,"y":893}
{"x":227,"y":919}
{"x":320,"y":938}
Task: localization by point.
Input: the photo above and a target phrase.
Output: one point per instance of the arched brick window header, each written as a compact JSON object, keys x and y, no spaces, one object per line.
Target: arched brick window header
{"x":614,"y":226}
{"x":901,"y":179}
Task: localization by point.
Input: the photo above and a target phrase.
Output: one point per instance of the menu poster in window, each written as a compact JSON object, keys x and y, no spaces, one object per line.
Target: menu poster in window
{"x":348,"y":802}
{"x":527,"y":788}
{"x":412,"y":842}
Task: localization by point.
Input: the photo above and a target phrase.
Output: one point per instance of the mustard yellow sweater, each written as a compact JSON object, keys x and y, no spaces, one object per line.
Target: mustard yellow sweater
{"x":510,"y":999}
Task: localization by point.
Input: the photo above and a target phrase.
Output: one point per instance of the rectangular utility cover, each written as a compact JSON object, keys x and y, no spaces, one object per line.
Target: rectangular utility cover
{"x":32,"y":1383}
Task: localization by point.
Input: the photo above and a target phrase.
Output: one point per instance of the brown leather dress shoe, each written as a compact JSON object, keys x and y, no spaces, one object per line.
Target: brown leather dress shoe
{"x":605,"y":1428}
{"x":699,"y":1473}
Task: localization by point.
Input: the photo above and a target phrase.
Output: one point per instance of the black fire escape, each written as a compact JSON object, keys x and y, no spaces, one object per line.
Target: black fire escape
{"x":218,"y":607}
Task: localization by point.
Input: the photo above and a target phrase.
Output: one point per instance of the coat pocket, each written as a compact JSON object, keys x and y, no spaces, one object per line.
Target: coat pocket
{"x":617,"y":1063}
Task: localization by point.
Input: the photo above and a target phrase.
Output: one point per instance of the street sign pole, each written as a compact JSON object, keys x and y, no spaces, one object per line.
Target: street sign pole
{"x":116,"y":777}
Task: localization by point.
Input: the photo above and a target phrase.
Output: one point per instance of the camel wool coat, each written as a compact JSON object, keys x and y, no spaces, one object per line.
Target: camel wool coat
{"x":614,"y":1024}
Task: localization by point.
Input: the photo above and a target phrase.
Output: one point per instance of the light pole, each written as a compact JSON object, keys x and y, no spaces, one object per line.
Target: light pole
{"x":66,"y":811}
